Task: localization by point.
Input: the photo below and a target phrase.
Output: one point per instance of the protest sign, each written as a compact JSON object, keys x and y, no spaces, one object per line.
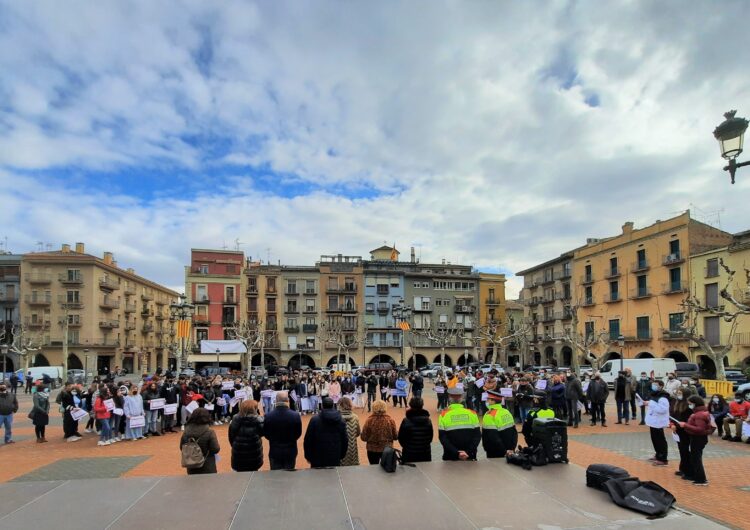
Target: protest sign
{"x":78,"y":414}
{"x":506,"y":392}
{"x":109,"y":403}
{"x":157,"y":404}
{"x":541,"y":384}
{"x":190,"y":407}
{"x":137,"y":421}
{"x":170,"y":409}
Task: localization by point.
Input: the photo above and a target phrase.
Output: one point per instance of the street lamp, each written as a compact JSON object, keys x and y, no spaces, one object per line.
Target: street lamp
{"x":181,"y":311}
{"x":218,"y":351}
{"x":621,"y":344}
{"x":401,"y":313}
{"x":4,"y":349}
{"x":730,"y":134}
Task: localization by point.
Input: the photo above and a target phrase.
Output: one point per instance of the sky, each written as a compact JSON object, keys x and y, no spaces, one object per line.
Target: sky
{"x":495,"y":134}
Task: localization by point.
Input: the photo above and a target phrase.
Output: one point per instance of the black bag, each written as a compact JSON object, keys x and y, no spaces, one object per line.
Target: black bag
{"x":644,"y":497}
{"x":552,"y":435}
{"x":519,"y":459}
{"x":536,"y":455}
{"x":390,"y":459}
{"x":598,"y":474}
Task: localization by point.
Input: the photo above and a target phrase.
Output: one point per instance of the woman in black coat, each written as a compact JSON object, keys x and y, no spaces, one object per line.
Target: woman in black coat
{"x":245,"y":437}
{"x":416,"y":432}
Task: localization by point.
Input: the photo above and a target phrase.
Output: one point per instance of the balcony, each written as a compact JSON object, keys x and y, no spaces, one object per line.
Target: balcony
{"x":230,"y":300}
{"x":672,"y":334}
{"x":612,"y":298}
{"x":587,"y":278}
{"x":129,"y":289}
{"x":160,"y":301}
{"x":466,"y":309}
{"x":639,"y":266}
{"x":271,"y":291}
{"x":72,"y":323}
{"x":349,"y":308}
{"x":36,"y":324}
{"x":587,"y":302}
{"x":38,"y":299}
{"x":549,"y":317}
{"x":310,"y":292}
{"x":642,"y":335}
{"x":492,"y":302}
{"x":548,"y":279}
{"x":383,"y":310}
{"x":147,"y":297}
{"x":675,"y":287}
{"x":129,"y":326}
{"x":310,"y":310}
{"x":38,"y":278}
{"x":8,"y":298}
{"x":200,"y":319}
{"x":129,"y":308}
{"x":291,"y":292}
{"x":159,"y":316}
{"x":348,"y":288}
{"x":565,"y":315}
{"x":146,"y":312}
{"x":612,"y":272}
{"x":673,"y":259}
{"x":639,"y":293}
{"x":109,"y":324}
{"x":147,"y":328}
{"x":108,"y":284}
{"x":291,"y":310}
{"x":291,"y":329}
{"x":226,"y":323}
{"x":202,"y":299}
{"x":109,"y":303}
{"x":252,"y":291}
{"x":424,"y":308}
{"x":70,"y":279}
{"x":309,"y":328}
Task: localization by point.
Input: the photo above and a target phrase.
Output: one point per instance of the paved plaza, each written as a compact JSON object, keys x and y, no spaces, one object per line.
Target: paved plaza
{"x":32,"y":471}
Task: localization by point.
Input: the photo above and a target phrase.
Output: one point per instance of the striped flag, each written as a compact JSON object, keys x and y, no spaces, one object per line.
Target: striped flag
{"x":403,"y":325}
{"x":394,"y":254}
{"x":183,"y":329}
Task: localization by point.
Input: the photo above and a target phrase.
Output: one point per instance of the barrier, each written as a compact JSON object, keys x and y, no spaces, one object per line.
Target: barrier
{"x":723,"y":388}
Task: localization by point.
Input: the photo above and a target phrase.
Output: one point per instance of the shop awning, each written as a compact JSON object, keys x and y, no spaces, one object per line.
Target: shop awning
{"x":223,"y":346}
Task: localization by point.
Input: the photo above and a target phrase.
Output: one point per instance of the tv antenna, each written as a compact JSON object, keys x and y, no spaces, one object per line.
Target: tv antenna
{"x":237,"y":243}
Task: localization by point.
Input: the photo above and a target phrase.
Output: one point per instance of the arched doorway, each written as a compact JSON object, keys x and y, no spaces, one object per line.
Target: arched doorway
{"x":301,"y":360}
{"x":610,"y":356}
{"x":333,"y":360}
{"x":40,"y":360}
{"x":537,"y":358}
{"x":418,"y":359}
{"x":567,"y":355}
{"x":159,"y":361}
{"x":678,"y":356}
{"x":74,"y":363}
{"x":383,"y":358}
{"x":707,"y":366}
{"x":549,"y":355}
{"x":448,"y":360}
{"x":466,"y":358}
{"x":6,"y":364}
{"x":268,"y":359}
{"x":513,"y":360}
{"x":644,"y":355}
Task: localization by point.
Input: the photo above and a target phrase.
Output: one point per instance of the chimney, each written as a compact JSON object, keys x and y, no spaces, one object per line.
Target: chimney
{"x":66,"y":247}
{"x":627,"y":227}
{"x":80,"y":248}
{"x":114,"y":264}
{"x":413,"y":256}
{"x":108,"y":258}
{"x":131,"y":271}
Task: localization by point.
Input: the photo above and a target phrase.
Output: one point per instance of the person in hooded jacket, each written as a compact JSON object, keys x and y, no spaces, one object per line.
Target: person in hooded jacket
{"x":198,"y":428}
{"x":681,"y":411}
{"x":416,"y":432}
{"x":246,"y":438}
{"x":170,"y":393}
{"x":326,"y":441}
{"x":573,"y":394}
{"x":699,"y":427}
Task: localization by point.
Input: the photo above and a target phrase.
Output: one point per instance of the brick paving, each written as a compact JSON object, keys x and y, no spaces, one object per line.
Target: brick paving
{"x":724,"y":500}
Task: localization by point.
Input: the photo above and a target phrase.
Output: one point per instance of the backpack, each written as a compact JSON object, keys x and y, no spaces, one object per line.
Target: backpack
{"x":192,"y":454}
{"x":390,"y":459}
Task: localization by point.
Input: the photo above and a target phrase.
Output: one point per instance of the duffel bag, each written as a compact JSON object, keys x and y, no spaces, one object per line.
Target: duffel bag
{"x":598,"y":474}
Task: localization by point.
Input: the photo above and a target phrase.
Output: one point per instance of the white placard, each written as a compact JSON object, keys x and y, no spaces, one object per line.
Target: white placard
{"x":156,"y":404}
{"x":109,"y":404}
{"x":221,"y":402}
{"x":227,"y":385}
{"x":439,"y":389}
{"x":460,"y":386}
{"x":306,"y":404}
{"x":638,"y":400}
{"x":484,"y":396}
{"x":233,"y":402}
{"x":506,"y":392}
{"x":137,"y":421}
{"x":479,"y":382}
{"x":240,"y":394}
{"x":268,"y":393}
{"x":581,"y":406}
{"x":118,"y":412}
{"x":78,"y":414}
{"x":676,"y":437}
{"x":190,"y":407}
{"x":292,"y":395}
{"x":541,"y":384}
{"x":170,"y":409}
{"x":208,"y":406}
{"x":585,"y":387}
{"x":745,"y":429}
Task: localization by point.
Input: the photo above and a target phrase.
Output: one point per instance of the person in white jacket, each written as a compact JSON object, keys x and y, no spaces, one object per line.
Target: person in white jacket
{"x":657,"y":418}
{"x":672,"y":385}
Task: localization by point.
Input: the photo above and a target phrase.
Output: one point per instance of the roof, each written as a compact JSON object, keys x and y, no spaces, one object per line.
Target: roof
{"x":565,"y":256}
{"x":386,"y":247}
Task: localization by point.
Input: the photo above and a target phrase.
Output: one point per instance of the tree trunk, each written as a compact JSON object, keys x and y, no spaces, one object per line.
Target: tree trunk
{"x":494,"y":353}
{"x":442,"y":356}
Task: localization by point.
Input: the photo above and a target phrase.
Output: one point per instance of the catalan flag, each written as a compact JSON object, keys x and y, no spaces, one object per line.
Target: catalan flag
{"x":403,"y":325}
{"x":394,"y":253}
{"x":183,"y":329}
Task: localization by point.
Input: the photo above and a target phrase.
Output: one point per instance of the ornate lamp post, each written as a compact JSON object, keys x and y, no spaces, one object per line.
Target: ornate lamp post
{"x":730,"y":135}
{"x":401,"y":314}
{"x":180,"y":312}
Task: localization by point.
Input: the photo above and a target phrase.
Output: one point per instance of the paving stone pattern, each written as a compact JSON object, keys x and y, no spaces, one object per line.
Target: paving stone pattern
{"x":638,"y":445}
{"x":83,"y":468}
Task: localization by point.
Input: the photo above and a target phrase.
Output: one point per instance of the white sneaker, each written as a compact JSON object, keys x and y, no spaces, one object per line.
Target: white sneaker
{"x":71,"y":439}
{"x":182,"y":428}
{"x":88,"y":431}
{"x":101,"y":443}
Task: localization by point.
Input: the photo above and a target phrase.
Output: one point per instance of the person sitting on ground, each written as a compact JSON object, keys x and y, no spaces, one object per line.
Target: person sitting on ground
{"x":539,"y":410}
{"x":738,"y":413}
{"x":378,"y":432}
{"x":246,"y":438}
{"x":326,"y":440}
{"x":718,"y":408}
{"x":416,"y":432}
{"x":198,"y":428}
{"x":499,"y":435}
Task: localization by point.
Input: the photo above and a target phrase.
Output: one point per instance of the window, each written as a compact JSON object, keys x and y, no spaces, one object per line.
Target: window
{"x":309,"y":286}
{"x":252,"y":305}
{"x":370,"y":307}
{"x":73,"y":319}
{"x":613,"y":266}
{"x":566,"y":269}
{"x":712,"y":295}
{"x":491,"y":295}
{"x":614,"y":290}
{"x":271,"y":284}
{"x":291,"y":286}
{"x":310,"y":304}
{"x":675,"y":279}
{"x":310,"y":342}
{"x":349,"y":303}
{"x":674,"y":248}
{"x":382,"y":289}
{"x":201,"y":334}
{"x":641,"y":259}
{"x":229,"y":295}
{"x":309,"y":321}
{"x":231,"y":268}
{"x":382,"y":306}
{"x":271,"y":304}
{"x":422,"y":321}
{"x":350,"y":323}
{"x":201,"y":310}
{"x":589,"y":295}
{"x":589,"y":331}
{"x":675,"y":321}
{"x":349,"y":284}
{"x":203,"y":268}
{"x":422,"y":303}
{"x":74,"y":275}
{"x":201,"y":293}
{"x":291,"y":306}
{"x":227,"y":315}
{"x":291,"y":342}
{"x":587,"y":273}
{"x":642,"y":328}
{"x":614,"y":329}
{"x":252,"y":285}
{"x":73,"y":297}
{"x":333,"y":283}
{"x":333,"y":303}
{"x":566,"y":291}
{"x":395,"y":283}
{"x":712,"y":267}
{"x":712,"y":330}
{"x":642,"y":286}
{"x":291,"y":322}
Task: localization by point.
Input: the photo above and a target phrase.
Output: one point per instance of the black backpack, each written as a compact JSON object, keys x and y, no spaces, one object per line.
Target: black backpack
{"x":390,"y":459}
{"x":644,"y":497}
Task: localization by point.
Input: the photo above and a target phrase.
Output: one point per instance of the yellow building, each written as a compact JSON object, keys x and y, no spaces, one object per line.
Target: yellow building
{"x":110,"y":316}
{"x":632,"y":286}
{"x":708,"y":278}
{"x":491,"y":308}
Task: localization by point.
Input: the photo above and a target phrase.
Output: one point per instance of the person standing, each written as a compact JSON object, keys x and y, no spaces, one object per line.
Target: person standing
{"x":40,"y":412}
{"x":148,"y":393}
{"x":557,"y":397}
{"x":378,"y":432}
{"x":738,"y":413}
{"x":672,"y":385}
{"x":643,"y":389}
{"x":499,"y":435}
{"x":326,"y":441}
{"x":133,"y":409}
{"x":8,"y":407}
{"x":115,"y":421}
{"x":282,"y":427}
{"x":657,"y":419}
{"x":416,"y":432}
{"x":573,"y":395}
{"x":70,"y":400}
{"x":524,"y":396}
{"x":459,"y":430}
{"x":198,"y":428}
{"x":372,"y":390}
{"x":246,"y":437}
{"x":681,"y":412}
{"x":698,"y":426}
{"x":402,"y":387}
{"x":633,"y":381}
{"x":597,"y":394}
{"x":352,"y":432}
{"x":623,"y":394}
{"x":29,"y":383}
{"x":103,"y":415}
{"x":170,"y":393}
{"x":417,"y":384}
{"x":13,"y":383}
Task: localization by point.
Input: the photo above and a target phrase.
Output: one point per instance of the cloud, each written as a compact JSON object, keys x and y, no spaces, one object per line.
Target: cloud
{"x":496,"y":135}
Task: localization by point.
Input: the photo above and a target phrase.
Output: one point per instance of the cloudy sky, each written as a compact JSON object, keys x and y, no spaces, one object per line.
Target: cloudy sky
{"x":496,"y":134}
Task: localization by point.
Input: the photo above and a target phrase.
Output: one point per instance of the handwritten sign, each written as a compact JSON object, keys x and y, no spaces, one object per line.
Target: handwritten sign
{"x":208,"y":406}
{"x":78,"y":414}
{"x":157,"y":404}
{"x":541,"y":384}
{"x":170,"y":409}
{"x":506,"y":392}
{"x":118,"y":412}
{"x":240,"y":394}
{"x":109,"y":404}
{"x":191,"y":407}
{"x":137,"y":421}
{"x":227,"y":385}
{"x":221,"y":402}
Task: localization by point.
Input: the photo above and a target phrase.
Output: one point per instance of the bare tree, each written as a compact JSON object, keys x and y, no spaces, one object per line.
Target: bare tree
{"x":23,"y":342}
{"x":582,"y":344}
{"x":499,"y":334}
{"x":335,"y":333}
{"x":252,"y":335}
{"x":446,"y":334}
{"x":729,"y":313}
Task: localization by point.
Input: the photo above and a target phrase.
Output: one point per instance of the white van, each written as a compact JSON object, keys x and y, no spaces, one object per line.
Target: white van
{"x":656,"y":368}
{"x":37,"y":372}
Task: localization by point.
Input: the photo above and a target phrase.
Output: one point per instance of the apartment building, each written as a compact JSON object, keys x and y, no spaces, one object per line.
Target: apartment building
{"x":514,"y":311}
{"x":707,"y":280}
{"x":302,"y":315}
{"x":632,"y":286}
{"x":384,"y":293}
{"x":492,"y":308}
{"x":98,"y":314}
{"x":262,"y":284}
{"x":546,"y":297}
{"x":10,"y":288}
{"x":213,"y":284}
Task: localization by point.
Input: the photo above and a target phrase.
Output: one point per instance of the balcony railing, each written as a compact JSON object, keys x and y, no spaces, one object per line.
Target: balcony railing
{"x":39,"y":299}
{"x":200,"y":319}
{"x":641,"y":335}
{"x":309,"y":328}
{"x":36,"y":324}
{"x":423,"y":308}
{"x":674,"y":287}
{"x":587,"y":278}
{"x":672,"y":334}
{"x":129,"y":289}
{"x":109,"y":324}
{"x":310,"y":310}
{"x":639,"y":266}
{"x":109,"y":303}
{"x":252,"y":291}
{"x":612,"y":298}
{"x":673,"y":259}
{"x":129,"y":326}
{"x":38,"y":278}
{"x":291,"y":329}
{"x":291,"y":292}
{"x":588,"y":302}
{"x":612,"y":272}
{"x":202,"y":299}
{"x":640,"y":292}
{"x":108,"y":284}
{"x":492,"y":302}
{"x":383,"y":310}
{"x":147,"y":297}
{"x":147,"y":328}
{"x":129,"y":308}
{"x":348,"y":288}
{"x":230,"y":300}
{"x":160,"y":301}
{"x":310,"y":292}
{"x":70,"y":279}
{"x":70,"y":303}
{"x":8,"y":297}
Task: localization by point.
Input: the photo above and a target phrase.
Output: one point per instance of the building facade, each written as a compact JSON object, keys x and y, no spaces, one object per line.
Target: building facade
{"x":707,"y":280}
{"x":10,"y":288}
{"x":93,"y":314}
{"x":492,"y":312}
{"x":302,"y":315}
{"x":262,"y":286}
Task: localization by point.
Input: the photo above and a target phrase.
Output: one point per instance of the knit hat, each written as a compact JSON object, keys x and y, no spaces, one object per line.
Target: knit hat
{"x":124,"y":389}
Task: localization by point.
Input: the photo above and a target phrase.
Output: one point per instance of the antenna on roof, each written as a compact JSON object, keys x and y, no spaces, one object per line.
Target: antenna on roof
{"x":237,"y":243}
{"x":224,"y":246}
{"x":40,"y":245}
{"x":268,"y":255}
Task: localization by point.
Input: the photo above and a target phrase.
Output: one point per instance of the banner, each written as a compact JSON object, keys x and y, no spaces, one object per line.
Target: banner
{"x":183,"y":329}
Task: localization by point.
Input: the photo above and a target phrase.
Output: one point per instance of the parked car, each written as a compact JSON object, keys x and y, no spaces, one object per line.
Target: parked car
{"x":687,"y":370}
{"x":76,"y":376}
{"x":485,"y":368}
{"x":736,"y":376}
{"x":745,"y":389}
{"x":377,"y":368}
{"x":187,"y":372}
{"x":431,"y":370}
